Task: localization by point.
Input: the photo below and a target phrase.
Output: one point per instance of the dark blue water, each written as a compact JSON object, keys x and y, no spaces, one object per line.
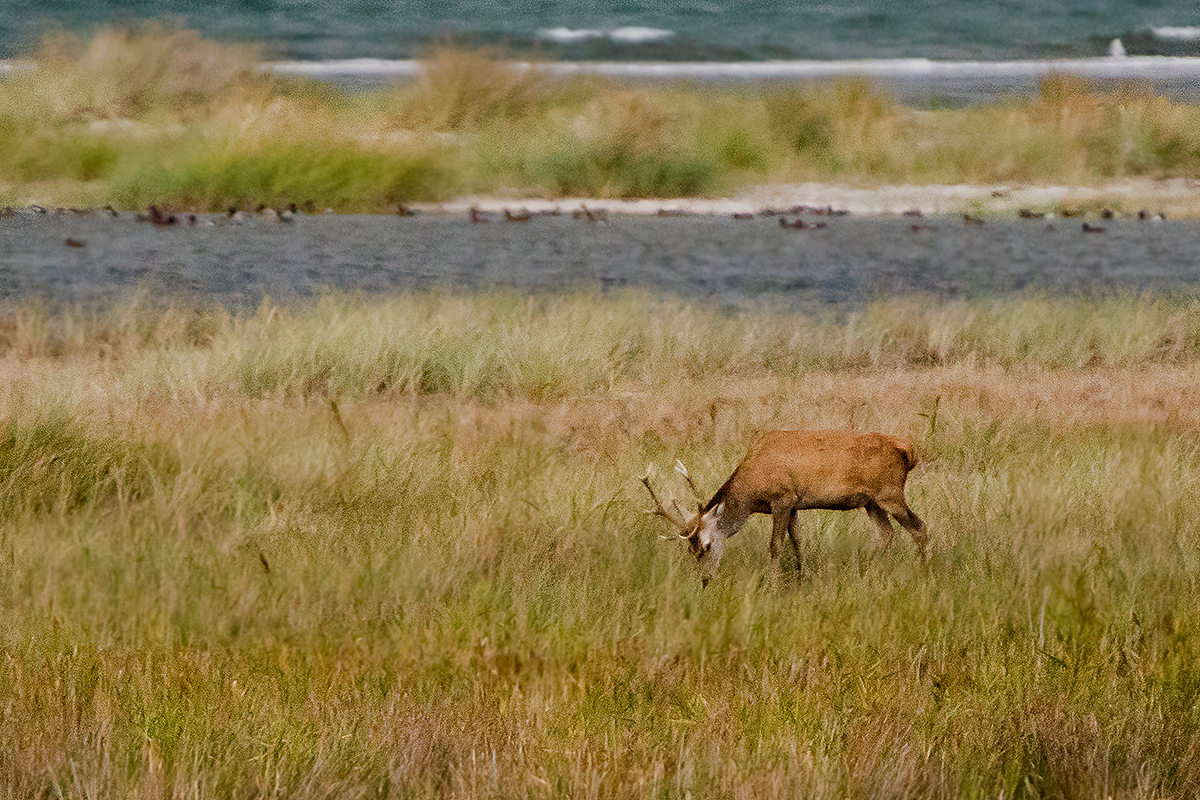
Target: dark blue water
{"x":852,"y":260}
{"x":652,"y":30}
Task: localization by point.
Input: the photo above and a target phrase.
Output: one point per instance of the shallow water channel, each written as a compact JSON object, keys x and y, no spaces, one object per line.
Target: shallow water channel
{"x":851,"y":260}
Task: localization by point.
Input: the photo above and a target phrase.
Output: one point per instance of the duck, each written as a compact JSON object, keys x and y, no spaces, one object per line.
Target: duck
{"x":593,"y":215}
{"x":799,"y":224}
{"x":161,"y":217}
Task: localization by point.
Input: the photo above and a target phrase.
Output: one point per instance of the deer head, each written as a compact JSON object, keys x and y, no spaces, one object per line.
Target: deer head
{"x":697,"y":530}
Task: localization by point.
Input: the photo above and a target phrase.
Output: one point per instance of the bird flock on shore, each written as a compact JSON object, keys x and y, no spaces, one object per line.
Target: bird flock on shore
{"x":792,"y":218}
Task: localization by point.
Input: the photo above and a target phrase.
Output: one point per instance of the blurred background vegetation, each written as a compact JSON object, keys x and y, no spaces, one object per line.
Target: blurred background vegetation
{"x":152,"y":114}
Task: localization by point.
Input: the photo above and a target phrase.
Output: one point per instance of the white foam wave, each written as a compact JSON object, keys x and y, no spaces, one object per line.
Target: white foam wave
{"x":920,"y":68}
{"x":631,"y":35}
{"x":1176,"y":33}
{"x":1127,"y":67}
{"x":366,"y":67}
{"x":637,"y":35}
{"x":567,"y":35}
{"x":15,"y":65}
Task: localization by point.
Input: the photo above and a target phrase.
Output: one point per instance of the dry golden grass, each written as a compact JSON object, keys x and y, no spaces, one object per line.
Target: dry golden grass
{"x":395,"y":548}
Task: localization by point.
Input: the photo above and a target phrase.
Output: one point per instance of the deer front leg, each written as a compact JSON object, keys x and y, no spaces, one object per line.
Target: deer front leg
{"x":795,"y":541}
{"x":781,"y":517}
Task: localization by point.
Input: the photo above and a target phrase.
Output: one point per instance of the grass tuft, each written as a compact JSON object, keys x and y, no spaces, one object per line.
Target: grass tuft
{"x":133,"y":73}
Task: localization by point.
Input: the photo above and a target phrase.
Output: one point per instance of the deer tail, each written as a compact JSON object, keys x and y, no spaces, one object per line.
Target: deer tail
{"x":910,"y":453}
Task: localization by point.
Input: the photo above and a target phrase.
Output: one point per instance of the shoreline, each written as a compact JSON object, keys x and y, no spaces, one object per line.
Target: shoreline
{"x":1175,"y":197}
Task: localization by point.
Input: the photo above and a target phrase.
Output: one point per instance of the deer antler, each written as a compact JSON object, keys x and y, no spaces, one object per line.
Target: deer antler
{"x":660,"y":511}
{"x":682,"y":470}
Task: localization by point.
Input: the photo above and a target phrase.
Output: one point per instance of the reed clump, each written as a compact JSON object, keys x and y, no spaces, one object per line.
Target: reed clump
{"x":395,"y":547}
{"x":133,"y":73}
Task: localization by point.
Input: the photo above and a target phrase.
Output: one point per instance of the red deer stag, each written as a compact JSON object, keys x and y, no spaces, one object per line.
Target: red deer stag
{"x":787,"y":471}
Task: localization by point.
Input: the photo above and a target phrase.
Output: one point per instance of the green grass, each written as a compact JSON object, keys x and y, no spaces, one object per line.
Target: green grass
{"x":396,"y":548}
{"x":153,"y":114}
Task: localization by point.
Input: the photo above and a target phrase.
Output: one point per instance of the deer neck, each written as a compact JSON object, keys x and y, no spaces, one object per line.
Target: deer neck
{"x":721,"y":521}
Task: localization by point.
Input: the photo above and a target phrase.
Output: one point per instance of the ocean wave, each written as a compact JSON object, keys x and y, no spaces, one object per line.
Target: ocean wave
{"x":1128,"y":67}
{"x":365,"y":67}
{"x":630,"y":35}
{"x":1176,"y":33}
{"x":1125,"y":67}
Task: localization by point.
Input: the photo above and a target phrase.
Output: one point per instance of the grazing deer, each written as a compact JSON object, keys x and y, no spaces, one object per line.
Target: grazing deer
{"x":787,"y":471}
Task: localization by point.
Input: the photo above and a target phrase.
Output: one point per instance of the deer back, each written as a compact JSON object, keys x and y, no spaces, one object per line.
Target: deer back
{"x":819,"y":466}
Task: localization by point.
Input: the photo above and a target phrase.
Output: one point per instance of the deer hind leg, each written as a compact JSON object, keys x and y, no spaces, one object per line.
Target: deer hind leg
{"x":914,"y":524}
{"x":883,"y":525}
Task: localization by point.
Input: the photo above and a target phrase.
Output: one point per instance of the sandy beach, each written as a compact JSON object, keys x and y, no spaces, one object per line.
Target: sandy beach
{"x":1178,"y":197}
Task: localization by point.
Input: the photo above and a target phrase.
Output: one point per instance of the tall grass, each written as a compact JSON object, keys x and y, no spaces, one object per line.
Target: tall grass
{"x":395,"y":548}
{"x":156,"y":114}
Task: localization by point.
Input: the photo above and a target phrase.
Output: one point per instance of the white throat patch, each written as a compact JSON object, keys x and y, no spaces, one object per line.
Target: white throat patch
{"x":710,"y":524}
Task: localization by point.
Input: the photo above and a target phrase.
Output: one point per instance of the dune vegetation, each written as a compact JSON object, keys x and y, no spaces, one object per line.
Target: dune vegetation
{"x":396,"y":548}
{"x":150,"y":114}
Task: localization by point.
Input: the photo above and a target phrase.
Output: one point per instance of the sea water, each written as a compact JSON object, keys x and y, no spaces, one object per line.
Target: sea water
{"x":655,"y":30}
{"x":959,"y":48}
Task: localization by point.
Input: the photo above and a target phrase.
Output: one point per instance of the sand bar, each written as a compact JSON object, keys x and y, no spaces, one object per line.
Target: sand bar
{"x":1178,"y":197}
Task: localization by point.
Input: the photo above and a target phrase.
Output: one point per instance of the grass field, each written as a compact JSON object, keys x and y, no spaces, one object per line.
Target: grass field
{"x":152,"y":114}
{"x":397,"y":548}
